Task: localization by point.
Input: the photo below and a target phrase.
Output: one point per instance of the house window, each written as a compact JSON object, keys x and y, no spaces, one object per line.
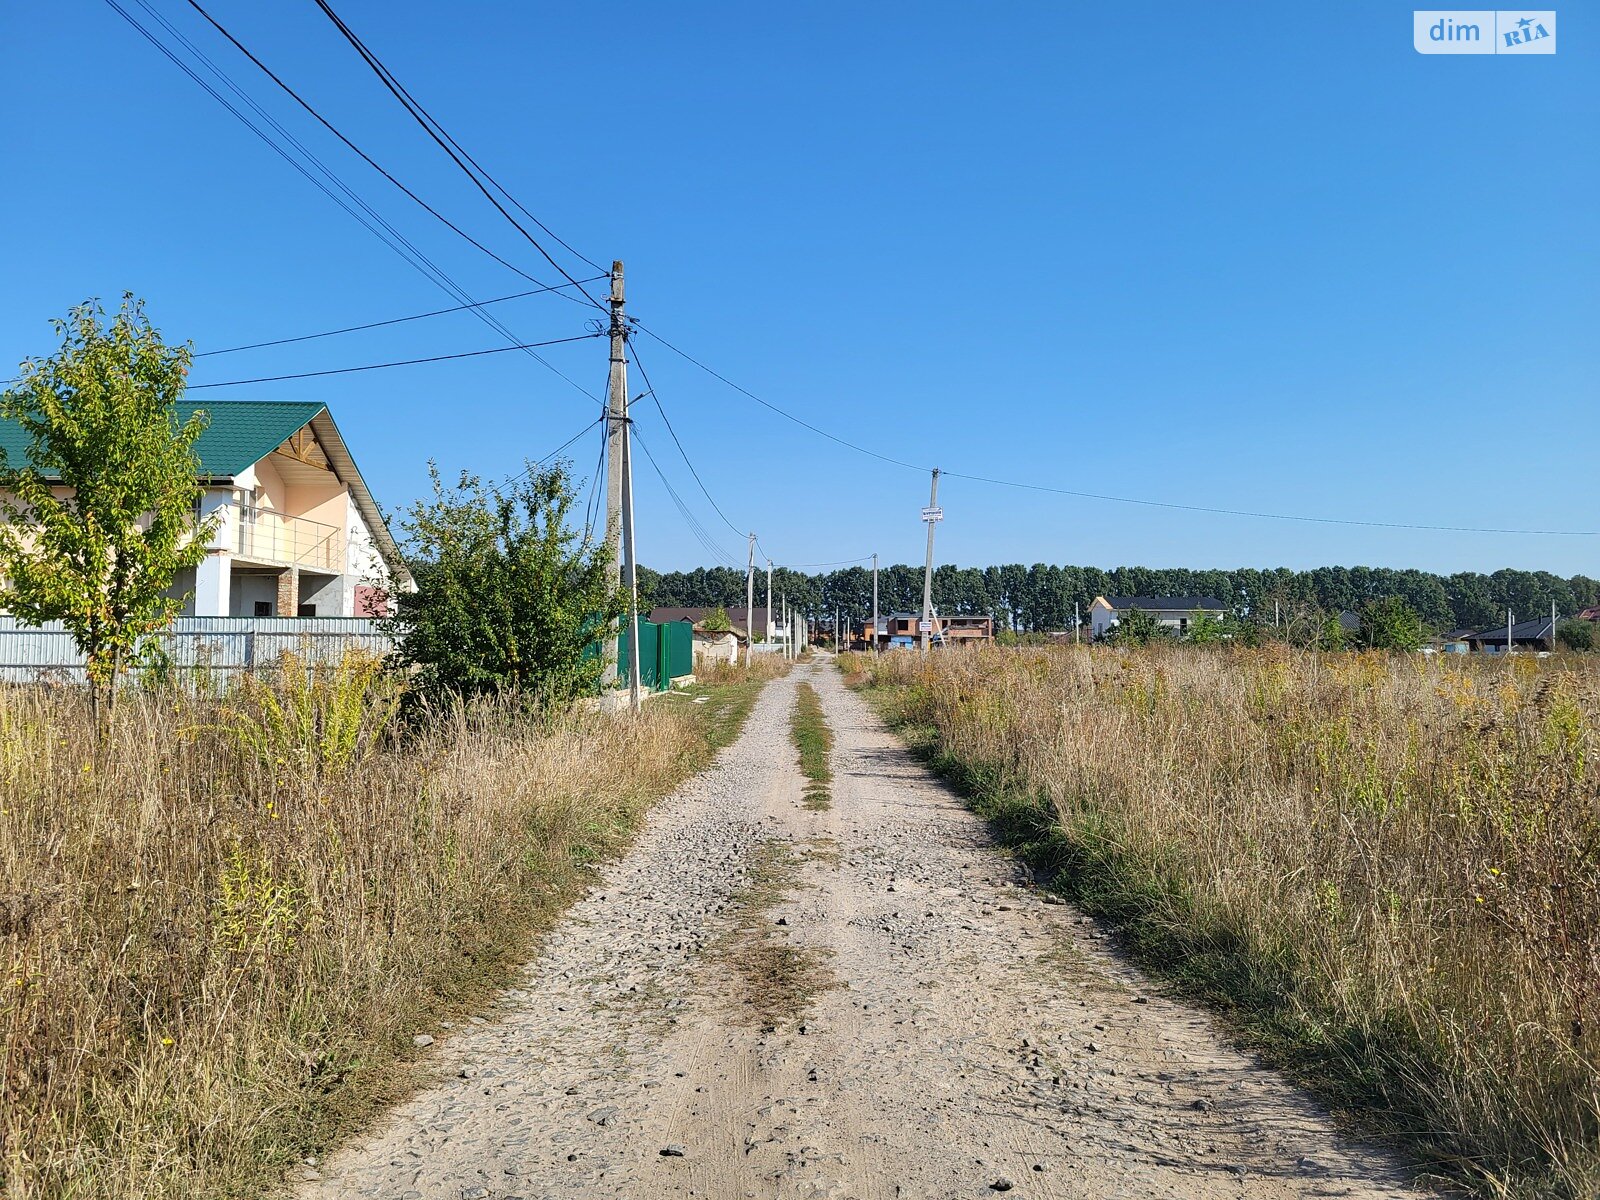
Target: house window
{"x":263,"y":608}
{"x":1183,"y":624}
{"x":307,"y":610}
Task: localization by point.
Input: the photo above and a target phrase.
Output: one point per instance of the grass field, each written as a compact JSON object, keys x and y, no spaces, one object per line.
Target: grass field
{"x":1384,"y":868}
{"x":223,"y":925}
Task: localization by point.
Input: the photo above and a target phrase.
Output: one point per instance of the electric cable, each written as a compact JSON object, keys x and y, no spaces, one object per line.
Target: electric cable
{"x":407,"y":362}
{"x":437,"y":132}
{"x":438,"y":312}
{"x":329,"y":126}
{"x":393,"y":238}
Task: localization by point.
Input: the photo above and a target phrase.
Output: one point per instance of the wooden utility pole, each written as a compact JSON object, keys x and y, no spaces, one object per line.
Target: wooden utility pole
{"x":932,"y":516}
{"x":750,"y":601}
{"x":873,"y":639}
{"x":616,"y":423}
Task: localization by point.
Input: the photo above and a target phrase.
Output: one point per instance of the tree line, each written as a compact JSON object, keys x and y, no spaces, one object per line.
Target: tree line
{"x":1040,"y":598}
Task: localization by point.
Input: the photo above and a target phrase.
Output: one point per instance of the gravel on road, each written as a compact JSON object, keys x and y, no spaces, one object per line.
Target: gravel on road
{"x":865,"y":1001}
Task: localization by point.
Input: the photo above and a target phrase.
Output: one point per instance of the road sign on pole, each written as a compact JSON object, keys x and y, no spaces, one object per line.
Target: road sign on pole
{"x":933,"y":514}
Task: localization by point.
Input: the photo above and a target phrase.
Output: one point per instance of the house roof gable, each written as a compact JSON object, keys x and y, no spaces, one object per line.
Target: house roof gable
{"x":238,"y":433}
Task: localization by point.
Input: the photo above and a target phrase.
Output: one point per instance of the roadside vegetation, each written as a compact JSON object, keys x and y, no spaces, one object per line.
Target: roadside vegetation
{"x":814,"y":740}
{"x":1384,"y":868}
{"x":223,"y":925}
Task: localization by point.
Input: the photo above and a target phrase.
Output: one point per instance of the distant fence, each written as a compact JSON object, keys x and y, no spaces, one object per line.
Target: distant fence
{"x":33,"y":653}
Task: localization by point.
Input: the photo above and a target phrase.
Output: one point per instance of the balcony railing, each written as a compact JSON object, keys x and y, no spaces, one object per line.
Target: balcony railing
{"x":269,"y":536}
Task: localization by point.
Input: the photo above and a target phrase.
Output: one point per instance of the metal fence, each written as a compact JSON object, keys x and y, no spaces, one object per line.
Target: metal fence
{"x":33,"y":653}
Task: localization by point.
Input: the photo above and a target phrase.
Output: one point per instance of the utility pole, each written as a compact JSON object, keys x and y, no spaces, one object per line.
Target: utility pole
{"x":1077,"y":623}
{"x":932,"y":515}
{"x":771,"y":631}
{"x":750,"y":601}
{"x":1508,"y":631}
{"x":630,"y":554}
{"x":874,"y":637}
{"x":617,"y":421}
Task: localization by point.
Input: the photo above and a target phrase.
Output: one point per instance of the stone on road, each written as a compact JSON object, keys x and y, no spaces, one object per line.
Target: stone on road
{"x":862,"y":1002}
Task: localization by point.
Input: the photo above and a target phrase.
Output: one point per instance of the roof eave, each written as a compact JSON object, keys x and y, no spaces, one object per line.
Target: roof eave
{"x":344,"y":466}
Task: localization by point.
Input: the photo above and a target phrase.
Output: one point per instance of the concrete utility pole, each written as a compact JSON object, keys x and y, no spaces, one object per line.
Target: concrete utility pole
{"x":1077,"y":623}
{"x":617,"y":420}
{"x":932,"y":516}
{"x":630,"y":554}
{"x":1508,"y":631}
{"x":771,"y":632}
{"x":750,"y":601}
{"x":873,"y":639}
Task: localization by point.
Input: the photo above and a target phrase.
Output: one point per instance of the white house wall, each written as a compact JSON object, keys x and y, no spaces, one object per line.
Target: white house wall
{"x":363,"y":563}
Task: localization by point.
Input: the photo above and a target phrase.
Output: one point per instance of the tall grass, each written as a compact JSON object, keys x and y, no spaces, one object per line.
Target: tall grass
{"x":222,"y":925}
{"x":1388,"y":865}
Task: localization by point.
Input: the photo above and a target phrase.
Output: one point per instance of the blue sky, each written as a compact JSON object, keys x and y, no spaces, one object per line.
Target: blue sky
{"x":1266,"y":258}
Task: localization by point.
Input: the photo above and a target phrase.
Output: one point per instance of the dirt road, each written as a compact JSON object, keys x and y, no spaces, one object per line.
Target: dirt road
{"x":769,"y":1000}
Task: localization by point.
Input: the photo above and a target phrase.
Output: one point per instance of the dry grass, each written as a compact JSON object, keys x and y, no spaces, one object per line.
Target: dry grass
{"x":222,"y":927}
{"x":1388,"y":866}
{"x":777,"y":979}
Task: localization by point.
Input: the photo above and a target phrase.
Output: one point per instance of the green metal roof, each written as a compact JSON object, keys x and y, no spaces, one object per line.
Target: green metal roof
{"x":240,"y":433}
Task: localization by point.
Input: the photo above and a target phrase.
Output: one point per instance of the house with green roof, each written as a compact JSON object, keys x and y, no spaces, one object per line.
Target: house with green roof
{"x":297,"y":532}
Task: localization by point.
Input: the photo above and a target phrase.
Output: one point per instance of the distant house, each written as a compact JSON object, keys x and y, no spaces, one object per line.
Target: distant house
{"x":297,"y":532}
{"x":902,"y":628}
{"x":1535,"y":635}
{"x":1349,"y":622}
{"x":736,"y":618}
{"x":1456,"y":641}
{"x":717,"y":645}
{"x":1592,"y":613}
{"x":1172,"y":612}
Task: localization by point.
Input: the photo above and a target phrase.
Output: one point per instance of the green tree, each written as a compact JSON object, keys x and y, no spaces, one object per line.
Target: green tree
{"x":1205,"y":630}
{"x":1576,"y":635}
{"x":1135,"y":628}
{"x":508,"y":599}
{"x":1389,"y":623}
{"x":101,"y":513}
{"x":717,"y":620}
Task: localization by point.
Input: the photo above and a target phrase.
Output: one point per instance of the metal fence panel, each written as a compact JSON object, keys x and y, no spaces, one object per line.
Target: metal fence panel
{"x":31,"y":653}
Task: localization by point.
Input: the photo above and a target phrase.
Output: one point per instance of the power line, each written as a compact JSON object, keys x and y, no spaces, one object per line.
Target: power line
{"x":438,"y":312}
{"x":696,"y":529}
{"x":788,"y":416}
{"x":1039,"y":487}
{"x":1270,"y":516}
{"x":446,"y":143}
{"x":656,"y":399}
{"x":387,"y":234}
{"x":408,"y":362}
{"x":329,"y":126}
{"x":843,"y":562}
{"x":539,"y":462}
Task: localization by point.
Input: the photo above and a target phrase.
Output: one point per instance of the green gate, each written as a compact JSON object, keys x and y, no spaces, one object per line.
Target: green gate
{"x":666,"y":652}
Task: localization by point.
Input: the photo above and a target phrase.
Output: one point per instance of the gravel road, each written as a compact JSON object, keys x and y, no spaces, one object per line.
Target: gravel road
{"x":766,"y":1000}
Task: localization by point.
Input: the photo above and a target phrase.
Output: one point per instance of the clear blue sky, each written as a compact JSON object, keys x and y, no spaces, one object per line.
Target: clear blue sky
{"x":1255,"y":258}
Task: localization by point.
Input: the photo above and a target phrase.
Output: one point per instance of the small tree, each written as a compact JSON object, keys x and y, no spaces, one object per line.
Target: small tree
{"x":101,"y":515}
{"x":507,"y":597}
{"x":1576,"y":635}
{"x":1206,"y":630}
{"x":1135,"y":628}
{"x":717,"y":621}
{"x":1390,"y":623}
